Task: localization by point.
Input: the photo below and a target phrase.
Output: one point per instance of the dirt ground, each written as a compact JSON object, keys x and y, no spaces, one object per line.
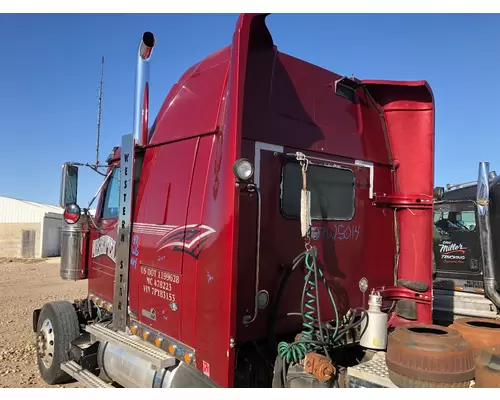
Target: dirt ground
{"x":24,"y":286}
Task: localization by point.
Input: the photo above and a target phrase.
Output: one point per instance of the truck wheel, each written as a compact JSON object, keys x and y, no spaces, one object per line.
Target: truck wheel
{"x":57,"y":327}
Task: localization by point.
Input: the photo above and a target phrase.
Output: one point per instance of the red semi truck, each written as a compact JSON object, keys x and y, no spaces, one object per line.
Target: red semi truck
{"x":268,"y":230}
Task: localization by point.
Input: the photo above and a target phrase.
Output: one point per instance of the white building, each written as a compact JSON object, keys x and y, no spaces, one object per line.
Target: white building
{"x":29,"y":229}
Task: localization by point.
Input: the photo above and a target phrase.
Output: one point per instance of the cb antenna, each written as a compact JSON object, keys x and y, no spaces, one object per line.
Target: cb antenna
{"x":99,"y":110}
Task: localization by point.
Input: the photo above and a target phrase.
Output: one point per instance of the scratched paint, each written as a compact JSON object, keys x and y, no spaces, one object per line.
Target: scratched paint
{"x":340,"y":232}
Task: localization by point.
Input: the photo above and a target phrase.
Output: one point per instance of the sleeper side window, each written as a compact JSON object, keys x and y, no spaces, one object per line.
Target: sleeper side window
{"x":332,"y":191}
{"x":111,"y":197}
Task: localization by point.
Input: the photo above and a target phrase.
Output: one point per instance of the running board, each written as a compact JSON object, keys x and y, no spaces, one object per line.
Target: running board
{"x":158,"y":358}
{"x":87,"y":378}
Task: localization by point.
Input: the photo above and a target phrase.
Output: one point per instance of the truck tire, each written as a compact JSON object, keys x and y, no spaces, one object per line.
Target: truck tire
{"x":480,"y":332}
{"x":57,"y":327}
{"x":423,"y":355}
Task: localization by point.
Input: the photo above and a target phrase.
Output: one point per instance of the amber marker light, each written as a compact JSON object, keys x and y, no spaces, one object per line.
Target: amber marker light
{"x":172,"y":349}
{"x":187,"y":358}
{"x":158,"y":342}
{"x":145,"y":335}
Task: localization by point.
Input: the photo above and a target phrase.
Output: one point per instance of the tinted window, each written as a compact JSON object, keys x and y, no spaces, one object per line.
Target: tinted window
{"x":455,"y":220}
{"x":110,"y":206}
{"x":332,"y":191}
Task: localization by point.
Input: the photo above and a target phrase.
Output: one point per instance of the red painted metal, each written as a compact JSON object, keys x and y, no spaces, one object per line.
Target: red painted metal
{"x":403,"y":201}
{"x":408,"y":111}
{"x":246,"y":93}
{"x":102,"y":268}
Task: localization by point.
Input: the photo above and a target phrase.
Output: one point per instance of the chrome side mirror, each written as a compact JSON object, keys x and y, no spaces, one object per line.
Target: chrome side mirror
{"x":69,"y":185}
{"x":438,"y":193}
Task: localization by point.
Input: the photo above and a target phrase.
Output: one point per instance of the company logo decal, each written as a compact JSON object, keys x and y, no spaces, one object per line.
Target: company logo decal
{"x":452,"y":252}
{"x":189,"y":239}
{"x":104,"y":246}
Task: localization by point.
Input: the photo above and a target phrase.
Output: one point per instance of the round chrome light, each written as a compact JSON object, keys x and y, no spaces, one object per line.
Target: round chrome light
{"x":71,"y":214}
{"x":243,"y":169}
{"x":363,"y":285}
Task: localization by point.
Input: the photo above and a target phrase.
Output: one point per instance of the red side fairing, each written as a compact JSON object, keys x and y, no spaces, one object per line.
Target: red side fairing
{"x":184,"y":221}
{"x":408,"y":110}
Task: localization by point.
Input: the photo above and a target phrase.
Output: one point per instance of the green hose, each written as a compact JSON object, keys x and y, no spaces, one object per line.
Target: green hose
{"x":297,"y":350}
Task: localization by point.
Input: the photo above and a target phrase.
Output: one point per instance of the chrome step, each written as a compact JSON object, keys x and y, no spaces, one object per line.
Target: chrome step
{"x":158,"y":358}
{"x":83,"y":376}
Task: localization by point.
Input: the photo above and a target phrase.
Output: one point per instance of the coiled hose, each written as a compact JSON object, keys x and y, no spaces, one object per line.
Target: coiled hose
{"x":310,"y":310}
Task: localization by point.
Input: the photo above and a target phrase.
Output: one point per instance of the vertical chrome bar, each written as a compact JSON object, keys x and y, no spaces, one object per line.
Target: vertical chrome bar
{"x":483,"y":222}
{"x":120,"y":298}
{"x":141,"y":79}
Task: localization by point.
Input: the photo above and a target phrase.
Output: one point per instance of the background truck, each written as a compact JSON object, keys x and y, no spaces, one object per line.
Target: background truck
{"x":466,"y":248}
{"x":269,"y":230}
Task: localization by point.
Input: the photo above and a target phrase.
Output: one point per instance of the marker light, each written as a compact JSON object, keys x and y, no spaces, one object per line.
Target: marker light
{"x":243,"y":169}
{"x":71,"y":213}
{"x":187,"y":358}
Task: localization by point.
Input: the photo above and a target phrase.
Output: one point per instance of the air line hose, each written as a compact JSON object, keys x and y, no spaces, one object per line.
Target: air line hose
{"x":310,"y":309}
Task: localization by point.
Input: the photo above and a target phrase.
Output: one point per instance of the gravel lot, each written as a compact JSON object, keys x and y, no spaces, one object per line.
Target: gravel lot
{"x":24,"y":286}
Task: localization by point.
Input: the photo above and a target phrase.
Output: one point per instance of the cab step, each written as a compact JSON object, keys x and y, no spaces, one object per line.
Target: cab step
{"x":87,"y":378}
{"x":158,"y":358}
{"x":370,"y":374}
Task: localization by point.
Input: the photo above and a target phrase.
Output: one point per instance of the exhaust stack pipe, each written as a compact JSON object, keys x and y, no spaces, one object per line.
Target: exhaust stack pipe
{"x":483,"y":215}
{"x":141,"y":99}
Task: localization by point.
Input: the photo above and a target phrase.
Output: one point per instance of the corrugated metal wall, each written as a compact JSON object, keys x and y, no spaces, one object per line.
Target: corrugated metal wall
{"x":29,"y":229}
{"x":21,"y":211}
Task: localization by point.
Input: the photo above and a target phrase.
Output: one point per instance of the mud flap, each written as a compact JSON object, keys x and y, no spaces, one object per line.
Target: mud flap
{"x":36,"y":315}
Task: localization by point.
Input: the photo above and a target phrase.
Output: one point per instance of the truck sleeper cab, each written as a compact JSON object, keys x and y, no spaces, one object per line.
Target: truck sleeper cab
{"x":204,"y":234}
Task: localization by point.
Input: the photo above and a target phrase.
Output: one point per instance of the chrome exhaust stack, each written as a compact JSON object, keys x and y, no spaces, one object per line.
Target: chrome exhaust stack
{"x":141,"y":98}
{"x":483,"y":220}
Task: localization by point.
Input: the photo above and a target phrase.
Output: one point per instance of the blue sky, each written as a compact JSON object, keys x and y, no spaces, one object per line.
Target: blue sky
{"x":49,"y":78}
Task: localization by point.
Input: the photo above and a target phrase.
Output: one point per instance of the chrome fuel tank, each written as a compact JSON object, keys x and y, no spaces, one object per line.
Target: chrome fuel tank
{"x":74,"y":247}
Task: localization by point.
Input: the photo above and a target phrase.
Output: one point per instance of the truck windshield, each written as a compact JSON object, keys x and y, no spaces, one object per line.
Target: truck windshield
{"x":455,"y":221}
{"x":111,"y":197}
